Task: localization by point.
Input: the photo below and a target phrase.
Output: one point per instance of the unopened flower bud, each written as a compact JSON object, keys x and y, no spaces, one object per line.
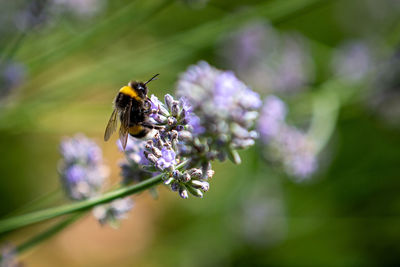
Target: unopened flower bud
{"x":183,"y":193}
{"x":195,"y":192}
{"x":183,"y":114}
{"x":175,"y":109}
{"x":168,"y":101}
{"x":195,"y":173}
{"x":150,"y":157}
{"x":175,"y":186}
{"x":176,"y":174}
{"x":169,"y":181}
{"x":210,"y":174}
{"x":156,"y":152}
{"x":205,"y":186}
{"x":160,"y":119}
{"x":185,"y":177}
{"x":174,"y":135}
{"x":185,"y":136}
{"x":171,"y":121}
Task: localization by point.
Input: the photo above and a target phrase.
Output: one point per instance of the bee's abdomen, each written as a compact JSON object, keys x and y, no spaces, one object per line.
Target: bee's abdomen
{"x":139,"y":131}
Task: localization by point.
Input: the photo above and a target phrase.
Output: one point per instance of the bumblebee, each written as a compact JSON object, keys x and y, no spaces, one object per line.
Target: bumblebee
{"x":132,"y":106}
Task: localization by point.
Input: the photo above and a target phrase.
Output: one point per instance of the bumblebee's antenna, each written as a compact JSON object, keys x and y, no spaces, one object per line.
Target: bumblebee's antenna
{"x":152,"y":78}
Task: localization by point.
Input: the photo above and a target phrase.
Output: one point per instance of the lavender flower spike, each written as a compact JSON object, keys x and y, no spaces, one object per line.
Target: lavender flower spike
{"x":81,"y":169}
{"x":225,"y":106}
{"x":212,"y":118}
{"x":9,"y":257}
{"x":285,"y":144}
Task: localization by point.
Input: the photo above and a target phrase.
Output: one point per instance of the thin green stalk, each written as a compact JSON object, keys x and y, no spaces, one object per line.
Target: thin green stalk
{"x":326,"y":105}
{"x":14,"y":223}
{"x":48,"y":233}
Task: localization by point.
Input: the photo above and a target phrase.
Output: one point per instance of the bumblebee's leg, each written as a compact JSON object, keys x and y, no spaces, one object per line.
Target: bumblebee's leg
{"x":151,"y":126}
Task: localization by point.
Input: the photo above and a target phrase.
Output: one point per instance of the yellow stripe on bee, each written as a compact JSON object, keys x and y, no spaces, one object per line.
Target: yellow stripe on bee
{"x":127,"y":90}
{"x":136,"y":129}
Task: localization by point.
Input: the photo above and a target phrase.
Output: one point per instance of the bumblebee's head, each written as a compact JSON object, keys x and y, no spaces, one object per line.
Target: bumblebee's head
{"x":140,"y":89}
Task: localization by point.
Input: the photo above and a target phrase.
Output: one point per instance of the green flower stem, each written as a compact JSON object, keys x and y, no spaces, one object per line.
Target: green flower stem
{"x":14,"y":223}
{"x":48,"y":233}
{"x":34,"y":217}
{"x":326,"y":106}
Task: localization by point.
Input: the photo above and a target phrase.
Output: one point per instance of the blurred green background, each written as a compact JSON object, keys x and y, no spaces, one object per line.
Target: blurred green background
{"x":254,"y":215}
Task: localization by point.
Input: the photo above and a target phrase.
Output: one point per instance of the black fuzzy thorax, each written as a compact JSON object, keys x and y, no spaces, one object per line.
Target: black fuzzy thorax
{"x":137,"y":112}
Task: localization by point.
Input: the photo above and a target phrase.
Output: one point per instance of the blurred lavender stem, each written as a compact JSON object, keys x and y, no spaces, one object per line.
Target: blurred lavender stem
{"x":17,"y":222}
{"x":326,"y":106}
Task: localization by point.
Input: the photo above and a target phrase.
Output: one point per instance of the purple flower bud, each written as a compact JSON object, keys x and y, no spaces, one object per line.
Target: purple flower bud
{"x":183,"y":193}
{"x":185,"y":177}
{"x":175,"y":186}
{"x":175,"y":109}
{"x":168,"y":99}
{"x":210,"y":174}
{"x":171,"y":121}
{"x":195,"y":173}
{"x":153,"y":159}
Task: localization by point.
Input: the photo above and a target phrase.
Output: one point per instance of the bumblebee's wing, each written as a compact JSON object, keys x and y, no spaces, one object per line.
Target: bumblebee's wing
{"x":111,"y":125}
{"x":124,"y":129}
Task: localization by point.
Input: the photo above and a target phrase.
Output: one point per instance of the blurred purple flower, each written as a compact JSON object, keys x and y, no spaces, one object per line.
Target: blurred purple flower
{"x":222,"y":102}
{"x":352,"y":61}
{"x":9,"y":257}
{"x":11,"y":76}
{"x":268,"y":61}
{"x":384,"y":98}
{"x":81,"y":169}
{"x":286,"y":144}
{"x":79,"y":8}
{"x":113,"y":212}
{"x":33,"y":15}
{"x":272,"y":116}
{"x":296,"y":151}
{"x":80,"y":149}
